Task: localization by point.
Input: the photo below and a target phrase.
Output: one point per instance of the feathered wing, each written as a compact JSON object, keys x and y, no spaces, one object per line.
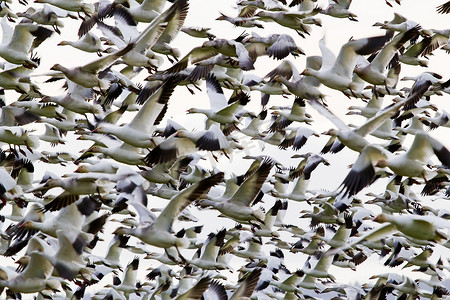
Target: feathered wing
{"x":362,"y":173}
{"x":179,"y":202}
{"x":424,"y":146}
{"x":250,"y":188}
{"x":106,"y":60}
{"x":149,"y":112}
{"x":376,"y":121}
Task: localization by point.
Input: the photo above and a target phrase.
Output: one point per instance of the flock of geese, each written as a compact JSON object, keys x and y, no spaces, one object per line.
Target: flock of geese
{"x":149,"y":188}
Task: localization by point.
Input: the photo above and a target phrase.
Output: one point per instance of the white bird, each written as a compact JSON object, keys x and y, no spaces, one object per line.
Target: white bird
{"x":45,"y":16}
{"x":305,"y":87}
{"x":68,"y":259}
{"x":87,"y":75}
{"x":410,"y":164}
{"x":19,"y":136}
{"x":17,"y":44}
{"x":340,"y":9}
{"x":289,"y":19}
{"x":157,"y":231}
{"x":76,"y":99}
{"x":355,"y":138}
{"x":338,"y":73}
{"x":36,"y":277}
{"x":374,"y":71}
{"x":277,"y":46}
{"x":139,"y":131}
{"x":209,"y":49}
{"x":88,"y":43}
{"x":238,"y":207}
{"x":208,"y":259}
{"x":73,"y":6}
{"x":140,"y":55}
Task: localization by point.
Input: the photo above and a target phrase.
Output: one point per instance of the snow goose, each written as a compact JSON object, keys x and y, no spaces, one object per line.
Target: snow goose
{"x":157,"y":231}
{"x":13,"y":116}
{"x":412,"y":53}
{"x":371,"y":109}
{"x":263,"y":4}
{"x":230,"y":48}
{"x":227,"y":115}
{"x":439,"y":37}
{"x":374,"y":71}
{"x":64,"y":124}
{"x":77,"y":6}
{"x":247,"y":286}
{"x":17,"y":231}
{"x":68,"y":260}
{"x":213,"y":139}
{"x":99,"y":167}
{"x":320,"y":269}
{"x":75,"y":100}
{"x":45,"y":16}
{"x":73,"y":188}
{"x":36,"y":277}
{"x":290,"y":284}
{"x":210,"y":252}
{"x":140,"y":55}
{"x":143,"y":11}
{"x":197,"y":291}
{"x":339,"y":9}
{"x":297,"y":138}
{"x":138,"y":132}
{"x":87,"y":75}
{"x":40,"y":109}
{"x":88,"y":43}
{"x":171,"y":171}
{"x":173,"y":27}
{"x":296,"y":113}
{"x":254,"y":126}
{"x":337,"y":73}
{"x":245,"y":18}
{"x":17,"y":44}
{"x":399,"y":23}
{"x":309,"y":163}
{"x":5,"y":11}
{"x":340,"y":236}
{"x":213,"y":48}
{"x":267,"y":229}
{"x":440,"y":119}
{"x":52,"y":135}
{"x":15,"y":135}
{"x":417,"y":227}
{"x":421,"y":85}
{"x":410,"y":164}
{"x":70,"y":218}
{"x":305,"y":87}
{"x":18,"y":79}
{"x":128,"y":284}
{"x":354,"y":139}
{"x":277,"y":46}
{"x":238,"y":207}
{"x":198,"y":32}
{"x":288,"y":19}
{"x":185,"y":142}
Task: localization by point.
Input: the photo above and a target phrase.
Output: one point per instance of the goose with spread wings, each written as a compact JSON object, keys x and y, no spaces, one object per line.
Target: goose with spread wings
{"x":410,"y":164}
{"x":238,"y":207}
{"x":337,"y":73}
{"x":157,"y":231}
{"x":355,"y":138}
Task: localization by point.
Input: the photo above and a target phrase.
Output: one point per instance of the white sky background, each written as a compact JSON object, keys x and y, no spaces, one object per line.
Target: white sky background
{"x":337,"y":32}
